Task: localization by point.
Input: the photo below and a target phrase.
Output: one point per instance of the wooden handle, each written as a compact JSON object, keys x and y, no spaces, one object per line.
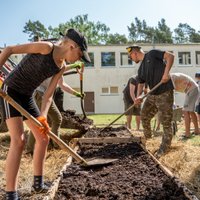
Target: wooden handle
{"x":155,"y":87}
{"x":63,"y":145}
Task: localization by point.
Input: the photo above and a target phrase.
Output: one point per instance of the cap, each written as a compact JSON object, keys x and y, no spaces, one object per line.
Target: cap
{"x":130,"y":48}
{"x":197,"y":75}
{"x":80,"y":40}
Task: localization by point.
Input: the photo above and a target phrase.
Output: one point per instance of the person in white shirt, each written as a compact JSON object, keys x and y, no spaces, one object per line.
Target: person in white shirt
{"x":185,"y":84}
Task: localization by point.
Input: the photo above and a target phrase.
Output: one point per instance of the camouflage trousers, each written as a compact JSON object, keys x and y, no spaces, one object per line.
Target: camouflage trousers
{"x":164,"y":104}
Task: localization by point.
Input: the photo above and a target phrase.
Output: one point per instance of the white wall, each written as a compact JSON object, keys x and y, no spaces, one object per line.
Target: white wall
{"x":97,"y":77}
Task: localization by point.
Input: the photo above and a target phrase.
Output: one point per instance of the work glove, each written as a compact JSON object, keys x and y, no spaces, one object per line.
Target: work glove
{"x":78,"y":94}
{"x":77,"y":65}
{"x":45,"y":129}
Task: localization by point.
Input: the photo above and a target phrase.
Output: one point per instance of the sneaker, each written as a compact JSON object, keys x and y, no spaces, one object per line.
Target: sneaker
{"x":184,"y":138}
{"x":43,"y":189}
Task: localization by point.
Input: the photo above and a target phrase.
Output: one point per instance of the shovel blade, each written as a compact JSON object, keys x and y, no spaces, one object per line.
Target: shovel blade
{"x":97,"y":162}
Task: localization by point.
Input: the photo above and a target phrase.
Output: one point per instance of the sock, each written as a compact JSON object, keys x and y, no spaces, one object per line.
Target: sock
{"x":11,"y":195}
{"x":38,"y":182}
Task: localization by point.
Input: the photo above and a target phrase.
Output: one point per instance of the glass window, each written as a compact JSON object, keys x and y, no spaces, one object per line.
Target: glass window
{"x":91,"y":54}
{"x":113,"y":90}
{"x":109,"y":90}
{"x":125,"y":60}
{"x":198,"y":57}
{"x":107,"y":59}
{"x":184,"y":58}
{"x":105,"y":90}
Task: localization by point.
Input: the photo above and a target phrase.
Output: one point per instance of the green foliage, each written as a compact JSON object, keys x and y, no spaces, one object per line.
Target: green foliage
{"x":140,"y":32}
{"x":185,"y":33}
{"x":98,"y":33}
{"x":35,"y":29}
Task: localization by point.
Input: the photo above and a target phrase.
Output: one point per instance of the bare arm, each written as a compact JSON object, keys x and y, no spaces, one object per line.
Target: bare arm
{"x":65,"y":86}
{"x":169,"y":58}
{"x":139,"y":100}
{"x":132,"y":91}
{"x":140,"y":89}
{"x":35,"y":47}
{"x":48,"y":95}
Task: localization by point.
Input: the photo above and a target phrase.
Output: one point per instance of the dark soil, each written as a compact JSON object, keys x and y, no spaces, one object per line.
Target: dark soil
{"x":73,"y":121}
{"x":108,"y":132}
{"x":134,"y":176}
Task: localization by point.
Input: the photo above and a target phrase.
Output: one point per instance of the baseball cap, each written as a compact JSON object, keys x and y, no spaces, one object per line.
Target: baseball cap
{"x":130,"y":48}
{"x":80,"y":40}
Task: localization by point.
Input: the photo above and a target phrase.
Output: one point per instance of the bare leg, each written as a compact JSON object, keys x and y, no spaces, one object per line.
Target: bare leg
{"x":41,"y":143}
{"x":195,"y":122}
{"x":129,"y":119}
{"x":15,"y":126}
{"x":137,"y":118}
{"x":187,"y":123}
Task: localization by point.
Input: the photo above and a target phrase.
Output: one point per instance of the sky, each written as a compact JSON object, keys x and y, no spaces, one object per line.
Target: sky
{"x":116,"y":14}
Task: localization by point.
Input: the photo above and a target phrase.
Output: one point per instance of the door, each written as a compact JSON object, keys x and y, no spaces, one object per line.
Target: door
{"x":89,"y":102}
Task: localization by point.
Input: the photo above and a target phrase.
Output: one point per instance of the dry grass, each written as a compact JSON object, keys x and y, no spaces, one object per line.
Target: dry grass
{"x":183,"y":160}
{"x":55,"y":161}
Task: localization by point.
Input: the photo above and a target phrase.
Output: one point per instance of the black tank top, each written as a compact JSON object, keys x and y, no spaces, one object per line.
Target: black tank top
{"x":31,"y":72}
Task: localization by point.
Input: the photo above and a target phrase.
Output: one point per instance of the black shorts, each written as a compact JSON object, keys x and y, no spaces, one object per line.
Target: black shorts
{"x":25,"y":101}
{"x":198,"y":109}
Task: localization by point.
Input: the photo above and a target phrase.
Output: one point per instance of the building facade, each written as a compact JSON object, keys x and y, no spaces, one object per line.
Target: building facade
{"x":107,"y":75}
{"x":105,"y":78}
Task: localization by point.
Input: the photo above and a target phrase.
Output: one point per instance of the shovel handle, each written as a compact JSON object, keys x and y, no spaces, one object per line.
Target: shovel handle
{"x":154,"y":88}
{"x":63,"y":145}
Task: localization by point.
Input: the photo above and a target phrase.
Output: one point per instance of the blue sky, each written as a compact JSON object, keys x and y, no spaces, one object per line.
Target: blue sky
{"x":116,"y":14}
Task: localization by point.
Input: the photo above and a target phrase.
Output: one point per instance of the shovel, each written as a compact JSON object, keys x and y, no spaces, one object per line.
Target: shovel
{"x":77,"y":157}
{"x":155,"y":87}
{"x":81,"y":90}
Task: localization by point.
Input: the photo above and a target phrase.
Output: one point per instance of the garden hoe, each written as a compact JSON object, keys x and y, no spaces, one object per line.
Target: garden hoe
{"x":92,"y":163}
{"x":155,"y":87}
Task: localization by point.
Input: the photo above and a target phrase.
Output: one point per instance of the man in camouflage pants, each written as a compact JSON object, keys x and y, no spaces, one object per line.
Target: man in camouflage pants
{"x":154,"y":68}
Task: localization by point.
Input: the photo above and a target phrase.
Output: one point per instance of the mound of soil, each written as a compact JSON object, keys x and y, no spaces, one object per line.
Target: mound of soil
{"x":134,"y":176}
{"x":108,"y":132}
{"x":73,"y":121}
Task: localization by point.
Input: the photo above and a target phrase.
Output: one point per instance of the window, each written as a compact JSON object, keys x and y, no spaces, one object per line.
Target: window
{"x":184,"y":58}
{"x":125,"y":60}
{"x":113,"y":90}
{"x":110,"y":90}
{"x":92,"y":60}
{"x":198,"y":57}
{"x":107,"y":59}
{"x":105,"y":90}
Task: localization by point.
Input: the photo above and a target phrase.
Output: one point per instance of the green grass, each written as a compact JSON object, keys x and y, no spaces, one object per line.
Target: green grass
{"x":102,"y":120}
{"x":106,"y":119}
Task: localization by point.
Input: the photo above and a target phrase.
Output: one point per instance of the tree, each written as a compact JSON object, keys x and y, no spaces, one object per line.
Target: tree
{"x":96,"y":33}
{"x":35,"y":29}
{"x":163,"y":33}
{"x":116,"y":39}
{"x":182,"y":33}
{"x":185,"y":33}
{"x":141,"y":32}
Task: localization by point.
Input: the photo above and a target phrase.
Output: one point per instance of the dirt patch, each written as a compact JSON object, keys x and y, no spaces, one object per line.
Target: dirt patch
{"x":108,"y":132}
{"x":73,"y":121}
{"x":134,"y":176}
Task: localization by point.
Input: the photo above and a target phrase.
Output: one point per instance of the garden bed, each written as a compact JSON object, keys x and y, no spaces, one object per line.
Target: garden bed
{"x":135,"y":175}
